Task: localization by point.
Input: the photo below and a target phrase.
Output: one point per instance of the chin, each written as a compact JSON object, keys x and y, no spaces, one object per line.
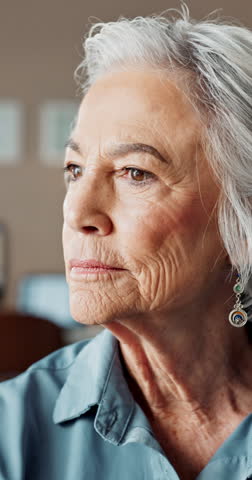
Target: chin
{"x":102,"y":304}
{"x":89,"y":313}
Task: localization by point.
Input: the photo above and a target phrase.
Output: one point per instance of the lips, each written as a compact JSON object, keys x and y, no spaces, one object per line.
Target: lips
{"x":75,"y":263}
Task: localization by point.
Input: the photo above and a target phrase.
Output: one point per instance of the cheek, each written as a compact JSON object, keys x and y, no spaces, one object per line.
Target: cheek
{"x":65,"y":238}
{"x":157,"y":224}
{"x":66,"y":242}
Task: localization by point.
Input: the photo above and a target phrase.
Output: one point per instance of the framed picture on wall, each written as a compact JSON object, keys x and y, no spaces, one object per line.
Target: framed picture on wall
{"x":55,"y":123}
{"x":11,"y":133}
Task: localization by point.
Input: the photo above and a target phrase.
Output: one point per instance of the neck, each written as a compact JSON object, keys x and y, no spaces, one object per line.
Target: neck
{"x":186,"y":361}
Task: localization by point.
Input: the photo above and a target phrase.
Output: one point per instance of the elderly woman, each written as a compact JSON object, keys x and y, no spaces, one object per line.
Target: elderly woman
{"x":158,"y":249}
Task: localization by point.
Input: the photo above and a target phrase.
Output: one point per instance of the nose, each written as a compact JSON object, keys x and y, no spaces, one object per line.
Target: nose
{"x":86,"y":207}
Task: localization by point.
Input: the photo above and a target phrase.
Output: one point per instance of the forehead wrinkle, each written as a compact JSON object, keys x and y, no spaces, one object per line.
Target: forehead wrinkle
{"x":122,"y":149}
{"x":160,"y":132}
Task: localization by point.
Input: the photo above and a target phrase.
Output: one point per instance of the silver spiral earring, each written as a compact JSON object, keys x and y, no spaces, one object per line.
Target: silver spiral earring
{"x":238,"y":317}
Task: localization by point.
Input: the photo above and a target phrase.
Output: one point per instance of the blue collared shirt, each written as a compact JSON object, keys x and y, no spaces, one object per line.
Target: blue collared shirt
{"x":71,"y":416}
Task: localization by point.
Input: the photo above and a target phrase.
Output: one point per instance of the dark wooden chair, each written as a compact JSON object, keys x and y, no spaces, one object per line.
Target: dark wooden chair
{"x":25,"y":339}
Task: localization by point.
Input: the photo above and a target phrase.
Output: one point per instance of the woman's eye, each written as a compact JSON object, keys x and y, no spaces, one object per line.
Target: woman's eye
{"x":139,"y":177}
{"x":72,"y":172}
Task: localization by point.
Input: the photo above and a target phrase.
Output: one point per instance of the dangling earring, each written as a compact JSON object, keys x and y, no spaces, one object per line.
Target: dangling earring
{"x":238,"y":317}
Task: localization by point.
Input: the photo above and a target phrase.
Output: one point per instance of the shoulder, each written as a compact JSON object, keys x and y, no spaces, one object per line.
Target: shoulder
{"x":35,"y":405}
{"x":54,"y":366}
{"x":26,"y":408}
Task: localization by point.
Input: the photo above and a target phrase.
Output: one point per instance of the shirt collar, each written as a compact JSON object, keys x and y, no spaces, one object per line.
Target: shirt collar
{"x":96,"y":378}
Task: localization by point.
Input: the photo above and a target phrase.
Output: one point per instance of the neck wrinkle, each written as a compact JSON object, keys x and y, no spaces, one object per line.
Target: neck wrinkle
{"x":185,"y":367}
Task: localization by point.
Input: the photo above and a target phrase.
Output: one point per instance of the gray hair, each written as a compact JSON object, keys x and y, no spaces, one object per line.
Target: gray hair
{"x":217,"y":56}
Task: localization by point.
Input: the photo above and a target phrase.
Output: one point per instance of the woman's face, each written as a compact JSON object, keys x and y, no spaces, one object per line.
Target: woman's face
{"x":159,"y":226}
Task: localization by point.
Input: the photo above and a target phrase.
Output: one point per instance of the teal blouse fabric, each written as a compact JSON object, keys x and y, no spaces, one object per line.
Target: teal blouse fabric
{"x":71,"y":416}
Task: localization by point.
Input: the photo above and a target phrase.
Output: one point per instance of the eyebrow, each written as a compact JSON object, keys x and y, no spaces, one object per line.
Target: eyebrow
{"x":121,"y":149}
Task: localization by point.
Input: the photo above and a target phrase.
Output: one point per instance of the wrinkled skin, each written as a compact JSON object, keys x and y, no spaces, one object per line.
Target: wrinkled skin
{"x":185,"y":365}
{"x":163,"y":233}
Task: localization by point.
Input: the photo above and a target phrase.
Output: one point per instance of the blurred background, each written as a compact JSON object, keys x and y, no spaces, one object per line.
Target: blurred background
{"x":40,"y":47}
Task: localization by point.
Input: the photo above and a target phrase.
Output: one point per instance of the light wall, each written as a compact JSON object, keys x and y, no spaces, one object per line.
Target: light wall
{"x":40,"y":46}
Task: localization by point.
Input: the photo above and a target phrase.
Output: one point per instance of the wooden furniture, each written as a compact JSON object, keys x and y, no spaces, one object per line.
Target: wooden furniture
{"x":25,"y":339}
